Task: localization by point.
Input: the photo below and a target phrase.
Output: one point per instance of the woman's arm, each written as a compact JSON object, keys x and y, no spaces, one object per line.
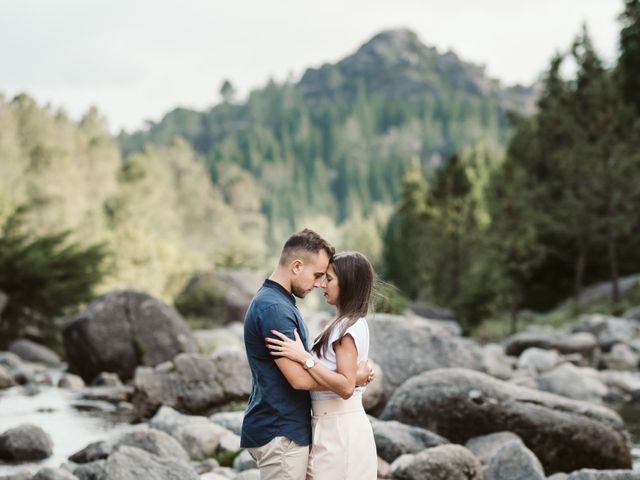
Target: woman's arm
{"x":342,"y":381}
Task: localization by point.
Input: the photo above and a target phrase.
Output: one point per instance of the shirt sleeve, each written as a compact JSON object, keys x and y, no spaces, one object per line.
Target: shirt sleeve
{"x":356,"y":331}
{"x":277,"y":318}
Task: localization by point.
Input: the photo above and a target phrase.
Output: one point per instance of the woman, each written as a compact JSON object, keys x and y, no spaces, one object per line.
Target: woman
{"x":343,"y":446}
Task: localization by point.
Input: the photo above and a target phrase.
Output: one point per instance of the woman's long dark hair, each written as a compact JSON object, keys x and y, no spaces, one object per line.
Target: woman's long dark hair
{"x":355,"y":280}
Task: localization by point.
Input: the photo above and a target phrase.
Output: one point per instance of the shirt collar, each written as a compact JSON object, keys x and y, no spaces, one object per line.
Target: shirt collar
{"x":275,"y":285}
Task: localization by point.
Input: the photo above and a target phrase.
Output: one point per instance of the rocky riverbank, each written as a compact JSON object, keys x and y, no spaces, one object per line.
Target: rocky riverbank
{"x":538,"y":405}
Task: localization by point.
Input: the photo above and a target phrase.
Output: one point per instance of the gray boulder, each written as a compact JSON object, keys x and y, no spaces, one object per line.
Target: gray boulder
{"x":121,"y":330}
{"x":91,"y":471}
{"x":153,"y":441}
{"x":537,"y":360}
{"x":198,"y":435}
{"x":20,"y":475}
{"x":589,"y":474}
{"x":607,"y":330}
{"x":92,"y":452}
{"x":192,"y":383}
{"x":229,"y":293}
{"x":620,"y":357}
{"x":505,"y":457}
{"x":24,"y":443}
{"x":394,"y":439}
{"x":131,"y":463}
{"x":496,"y":362}
{"x":373,"y":396}
{"x":519,"y":342}
{"x":244,"y":461}
{"x":230,"y":420}
{"x":404,"y":347}
{"x":33,"y":352}
{"x":49,"y":473}
{"x":574,"y":382}
{"x":446,"y":462}
{"x":564,"y":434}
{"x":70,"y":381}
{"x":6,"y":379}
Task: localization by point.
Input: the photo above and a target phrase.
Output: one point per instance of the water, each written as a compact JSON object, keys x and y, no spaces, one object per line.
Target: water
{"x":71,"y":423}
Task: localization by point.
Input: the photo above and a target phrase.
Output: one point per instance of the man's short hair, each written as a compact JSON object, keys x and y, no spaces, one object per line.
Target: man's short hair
{"x":304,"y":241}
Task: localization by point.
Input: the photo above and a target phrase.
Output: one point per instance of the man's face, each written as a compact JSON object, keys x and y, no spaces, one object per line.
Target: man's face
{"x":308,"y":273}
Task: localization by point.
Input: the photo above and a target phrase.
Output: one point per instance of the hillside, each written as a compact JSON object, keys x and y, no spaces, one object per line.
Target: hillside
{"x":337,"y":142}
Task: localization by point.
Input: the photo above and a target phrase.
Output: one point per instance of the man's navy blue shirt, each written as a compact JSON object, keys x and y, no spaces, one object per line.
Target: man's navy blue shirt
{"x":275,"y":408}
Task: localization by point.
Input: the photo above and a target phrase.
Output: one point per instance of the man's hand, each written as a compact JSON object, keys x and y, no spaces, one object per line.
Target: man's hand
{"x":364,"y":374}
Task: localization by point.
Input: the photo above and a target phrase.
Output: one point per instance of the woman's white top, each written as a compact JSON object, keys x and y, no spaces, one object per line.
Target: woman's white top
{"x":360,"y":333}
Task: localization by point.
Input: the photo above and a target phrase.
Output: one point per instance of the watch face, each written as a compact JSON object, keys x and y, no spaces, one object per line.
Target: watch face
{"x":309,"y":363}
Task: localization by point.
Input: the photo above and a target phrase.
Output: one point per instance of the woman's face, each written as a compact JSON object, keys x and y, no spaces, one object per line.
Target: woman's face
{"x":330,"y":286}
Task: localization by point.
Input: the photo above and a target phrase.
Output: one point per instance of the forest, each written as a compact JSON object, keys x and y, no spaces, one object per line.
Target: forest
{"x":487,"y":199}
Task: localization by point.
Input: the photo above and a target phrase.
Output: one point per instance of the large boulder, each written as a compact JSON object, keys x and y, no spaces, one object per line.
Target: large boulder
{"x":505,"y":457}
{"x":590,"y":474}
{"x":394,"y":439}
{"x":564,"y":434}
{"x":406,"y":346}
{"x":48,"y":473}
{"x":607,"y":330}
{"x":121,"y":330}
{"x":131,"y":463}
{"x":222,"y":296}
{"x":198,"y":435}
{"x":192,"y":383}
{"x":25,"y":443}
{"x":445,"y":462}
{"x":574,"y":382}
{"x":33,"y":352}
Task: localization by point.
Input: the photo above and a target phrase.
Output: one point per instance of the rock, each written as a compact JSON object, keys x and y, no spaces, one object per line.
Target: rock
{"x":445,"y":462}
{"x":33,"y":352}
{"x":631,"y":314}
{"x":229,"y":293}
{"x":91,"y":471}
{"x":244,"y":461}
{"x":153,"y":441}
{"x":518,"y":343}
{"x":588,"y":474}
{"x":230,"y":420}
{"x":210,"y":341}
{"x":496,"y":362}
{"x":536,"y":360}
{"x":92,"y":452}
{"x":193,"y":383}
{"x":198,"y":435}
{"x":461,"y":404}
{"x":6,"y":380}
{"x":505,"y":457}
{"x":21,"y":475}
{"x":373,"y":396}
{"x":10,"y":361}
{"x":48,"y":473}
{"x":394,"y":438}
{"x":215,"y":476}
{"x":208,"y":465}
{"x":113,"y":395}
{"x":607,"y":330}
{"x":574,"y":382}
{"x":624,"y":383}
{"x":404,"y":347}
{"x":558,"y":476}
{"x":107,"y":379}
{"x":24,"y":443}
{"x":121,"y":330}
{"x":130,"y":463}
{"x":583,"y":343}
{"x":620,"y":357}
{"x":71,"y":382}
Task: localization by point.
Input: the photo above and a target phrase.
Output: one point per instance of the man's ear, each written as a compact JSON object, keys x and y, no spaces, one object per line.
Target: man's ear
{"x":296,"y":266}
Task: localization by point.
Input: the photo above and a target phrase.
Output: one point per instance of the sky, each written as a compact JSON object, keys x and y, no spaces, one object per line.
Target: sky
{"x":138,"y":59}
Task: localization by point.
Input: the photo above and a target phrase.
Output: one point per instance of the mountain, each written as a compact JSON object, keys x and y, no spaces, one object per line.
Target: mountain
{"x":337,"y":142}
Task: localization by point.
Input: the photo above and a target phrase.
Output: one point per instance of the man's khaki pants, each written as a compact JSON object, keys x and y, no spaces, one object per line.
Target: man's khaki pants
{"x":281,"y":459}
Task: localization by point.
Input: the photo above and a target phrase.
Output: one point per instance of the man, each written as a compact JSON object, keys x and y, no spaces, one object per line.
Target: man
{"x":277,"y":424}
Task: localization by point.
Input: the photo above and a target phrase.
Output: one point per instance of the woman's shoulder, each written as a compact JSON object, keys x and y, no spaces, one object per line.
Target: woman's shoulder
{"x":359,"y":326}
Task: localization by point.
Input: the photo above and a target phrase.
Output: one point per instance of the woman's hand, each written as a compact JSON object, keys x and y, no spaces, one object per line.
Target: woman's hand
{"x":285,"y":347}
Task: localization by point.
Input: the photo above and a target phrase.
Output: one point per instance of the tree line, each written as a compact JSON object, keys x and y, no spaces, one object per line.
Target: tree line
{"x":558,"y":213}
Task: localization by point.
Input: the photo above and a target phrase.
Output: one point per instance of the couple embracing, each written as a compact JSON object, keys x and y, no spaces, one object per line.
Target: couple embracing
{"x":305,"y":417}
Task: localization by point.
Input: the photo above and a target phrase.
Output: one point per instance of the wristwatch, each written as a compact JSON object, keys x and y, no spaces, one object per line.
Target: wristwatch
{"x":309,"y":363}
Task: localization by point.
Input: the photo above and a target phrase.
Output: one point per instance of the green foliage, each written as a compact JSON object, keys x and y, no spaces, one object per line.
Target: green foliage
{"x":387,"y":298}
{"x":45,"y":276}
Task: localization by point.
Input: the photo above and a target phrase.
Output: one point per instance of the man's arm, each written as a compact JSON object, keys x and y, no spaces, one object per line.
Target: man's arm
{"x":297,"y":376}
